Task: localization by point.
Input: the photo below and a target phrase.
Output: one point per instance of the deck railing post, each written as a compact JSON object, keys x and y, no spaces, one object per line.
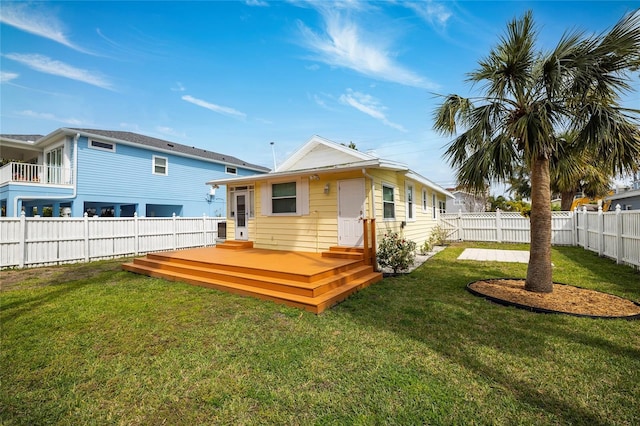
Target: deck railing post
{"x":365,"y":229}
{"x":374,"y":255}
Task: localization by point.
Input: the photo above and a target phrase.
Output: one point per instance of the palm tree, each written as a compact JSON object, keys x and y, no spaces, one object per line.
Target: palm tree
{"x":577,"y":170}
{"x":572,"y":170}
{"x":530,"y":96}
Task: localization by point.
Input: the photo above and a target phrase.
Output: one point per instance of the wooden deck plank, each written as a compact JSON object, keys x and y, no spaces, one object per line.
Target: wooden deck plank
{"x":305,"y":280}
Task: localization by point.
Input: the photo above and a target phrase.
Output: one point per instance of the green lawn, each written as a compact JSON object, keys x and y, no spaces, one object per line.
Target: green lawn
{"x":91,"y":344}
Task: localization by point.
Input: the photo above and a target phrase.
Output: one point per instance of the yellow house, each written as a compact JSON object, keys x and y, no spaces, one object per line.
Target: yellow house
{"x":319,"y":196}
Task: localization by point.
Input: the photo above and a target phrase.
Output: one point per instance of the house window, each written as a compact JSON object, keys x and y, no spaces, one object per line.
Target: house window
{"x":250,"y":202}
{"x":424,"y":200}
{"x":104,"y":146}
{"x":231,"y":170}
{"x":283,"y":197}
{"x":409,"y":202}
{"x":388,"y":204}
{"x":443,"y":206}
{"x":160,"y":165}
{"x":433,"y":205}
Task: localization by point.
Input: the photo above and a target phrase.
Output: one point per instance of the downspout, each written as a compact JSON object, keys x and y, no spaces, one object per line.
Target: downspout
{"x":55,"y":197}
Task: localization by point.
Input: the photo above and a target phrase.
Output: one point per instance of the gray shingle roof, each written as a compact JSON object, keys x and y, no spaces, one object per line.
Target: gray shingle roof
{"x":24,"y":138}
{"x":171,"y":146}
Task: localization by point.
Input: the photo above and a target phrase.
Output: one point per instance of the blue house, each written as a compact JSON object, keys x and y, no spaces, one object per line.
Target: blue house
{"x":111,"y":173}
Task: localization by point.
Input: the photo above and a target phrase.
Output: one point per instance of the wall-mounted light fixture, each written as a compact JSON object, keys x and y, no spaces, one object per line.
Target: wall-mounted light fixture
{"x":314,"y":177}
{"x":327,"y":187}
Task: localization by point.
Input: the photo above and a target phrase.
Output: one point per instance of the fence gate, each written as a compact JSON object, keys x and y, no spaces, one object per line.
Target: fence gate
{"x":450,"y":223}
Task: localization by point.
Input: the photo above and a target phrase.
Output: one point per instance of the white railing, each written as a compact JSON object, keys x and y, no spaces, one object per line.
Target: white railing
{"x":29,"y":242}
{"x":610,"y":234}
{"x":35,"y":173}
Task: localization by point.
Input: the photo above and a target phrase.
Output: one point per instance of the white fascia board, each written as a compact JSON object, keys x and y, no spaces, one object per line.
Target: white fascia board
{"x":308,"y":172}
{"x":423,"y":180}
{"x":14,"y":143}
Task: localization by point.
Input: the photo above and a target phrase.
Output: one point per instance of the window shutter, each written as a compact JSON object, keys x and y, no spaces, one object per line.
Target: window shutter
{"x":304,"y":197}
{"x":265,"y":199}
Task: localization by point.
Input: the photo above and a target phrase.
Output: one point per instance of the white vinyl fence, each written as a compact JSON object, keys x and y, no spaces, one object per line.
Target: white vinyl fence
{"x":611,"y":234}
{"x":40,"y":241}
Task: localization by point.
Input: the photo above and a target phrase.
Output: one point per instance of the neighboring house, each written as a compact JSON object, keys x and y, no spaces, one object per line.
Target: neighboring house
{"x":466,"y":202}
{"x":318,"y":197}
{"x":111,"y":173}
{"x":627,"y":198}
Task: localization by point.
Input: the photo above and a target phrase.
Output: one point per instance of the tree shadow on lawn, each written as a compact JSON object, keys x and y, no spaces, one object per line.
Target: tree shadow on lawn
{"x":436,"y":310}
{"x":622,"y":280}
{"x":53,"y":283}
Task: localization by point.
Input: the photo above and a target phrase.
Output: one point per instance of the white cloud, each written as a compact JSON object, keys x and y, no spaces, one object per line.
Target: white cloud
{"x":256,"y":3}
{"x":6,"y":77}
{"x":370,"y":106}
{"x":215,"y":108}
{"x":344,"y":45}
{"x":52,"y":117}
{"x":179,"y":87}
{"x":51,"y":66}
{"x":170,"y":132}
{"x":431,"y":12}
{"x":36,"y":21}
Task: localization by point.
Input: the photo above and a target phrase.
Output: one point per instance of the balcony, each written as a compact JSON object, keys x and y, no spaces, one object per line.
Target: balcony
{"x":35,"y":174}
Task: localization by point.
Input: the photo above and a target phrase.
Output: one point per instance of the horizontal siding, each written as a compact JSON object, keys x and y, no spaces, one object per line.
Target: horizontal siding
{"x":315,"y":232}
{"x":318,"y":230}
{"x":419,"y":229}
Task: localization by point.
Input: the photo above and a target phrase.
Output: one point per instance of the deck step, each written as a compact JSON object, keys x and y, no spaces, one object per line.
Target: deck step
{"x":235,"y":245}
{"x":347,"y":249}
{"x":342,"y":254}
{"x":262,"y":279}
{"x":315,"y":304}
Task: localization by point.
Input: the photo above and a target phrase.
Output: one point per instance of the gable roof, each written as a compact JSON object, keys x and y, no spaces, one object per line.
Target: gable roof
{"x":319,"y":155}
{"x":138,"y":139}
{"x":21,"y":138}
{"x":164,"y":145}
{"x":319,"y":152}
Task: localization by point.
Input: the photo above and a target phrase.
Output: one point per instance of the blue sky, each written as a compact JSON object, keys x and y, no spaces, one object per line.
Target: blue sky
{"x":234,"y":76}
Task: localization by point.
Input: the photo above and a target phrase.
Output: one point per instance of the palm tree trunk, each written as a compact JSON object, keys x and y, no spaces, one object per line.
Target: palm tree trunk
{"x":566,"y":199}
{"x":539,"y":278}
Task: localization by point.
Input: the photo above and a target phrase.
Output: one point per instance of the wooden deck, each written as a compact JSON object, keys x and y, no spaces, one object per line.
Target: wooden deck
{"x":312,"y":281}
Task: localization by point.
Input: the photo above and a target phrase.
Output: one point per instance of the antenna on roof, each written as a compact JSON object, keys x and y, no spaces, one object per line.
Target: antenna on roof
{"x":273,"y":152}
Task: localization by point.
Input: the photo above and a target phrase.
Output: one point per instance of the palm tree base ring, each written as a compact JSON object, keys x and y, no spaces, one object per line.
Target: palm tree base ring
{"x":565,"y":299}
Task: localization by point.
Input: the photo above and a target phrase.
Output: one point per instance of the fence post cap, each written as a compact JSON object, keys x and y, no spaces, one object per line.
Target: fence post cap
{"x":618,"y":207}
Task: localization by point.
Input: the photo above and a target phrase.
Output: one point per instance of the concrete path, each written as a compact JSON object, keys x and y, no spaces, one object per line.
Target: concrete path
{"x":484,"y":255}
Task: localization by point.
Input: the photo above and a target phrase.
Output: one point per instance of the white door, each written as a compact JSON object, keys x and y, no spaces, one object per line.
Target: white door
{"x":351,"y":198}
{"x":241,"y":215}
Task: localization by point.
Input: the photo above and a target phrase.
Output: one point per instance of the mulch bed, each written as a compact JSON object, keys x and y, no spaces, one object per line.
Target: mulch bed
{"x":564,"y":299}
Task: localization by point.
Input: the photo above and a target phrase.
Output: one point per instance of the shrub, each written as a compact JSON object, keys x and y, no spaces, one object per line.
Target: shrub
{"x":396,"y":253}
{"x":438,"y":236}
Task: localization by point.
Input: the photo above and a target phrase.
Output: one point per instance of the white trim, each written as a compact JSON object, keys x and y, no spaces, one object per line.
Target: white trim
{"x":393,"y":188}
{"x":425,"y":200}
{"x":410,"y":207}
{"x":90,"y":142}
{"x":302,"y":197}
{"x":153,"y":165}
